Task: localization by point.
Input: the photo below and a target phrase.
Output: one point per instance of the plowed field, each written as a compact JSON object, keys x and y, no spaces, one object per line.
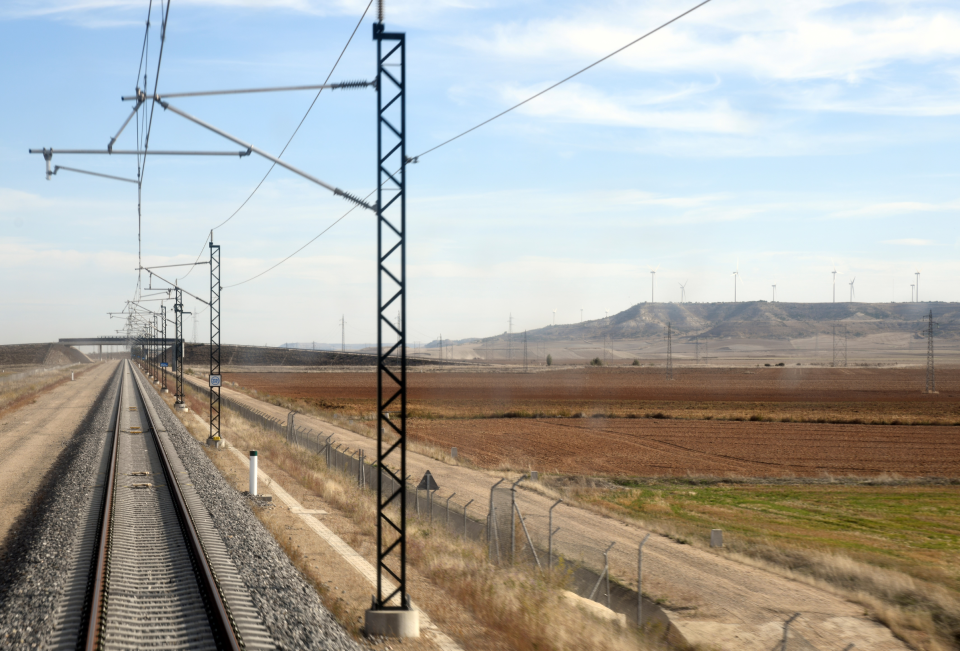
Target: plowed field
{"x":800,"y":393}
{"x":648,"y":447}
{"x":465,"y":410}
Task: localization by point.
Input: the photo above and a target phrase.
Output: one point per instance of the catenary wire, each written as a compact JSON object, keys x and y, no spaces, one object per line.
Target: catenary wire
{"x":310,"y":108}
{"x":566,"y":79}
{"x":446,"y":142}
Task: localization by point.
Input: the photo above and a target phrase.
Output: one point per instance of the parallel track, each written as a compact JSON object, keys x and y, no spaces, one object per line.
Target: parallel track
{"x":152,"y":572}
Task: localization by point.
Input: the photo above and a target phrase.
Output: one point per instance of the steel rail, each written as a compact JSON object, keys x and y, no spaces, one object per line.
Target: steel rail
{"x":96,"y":593}
{"x":220,"y":620}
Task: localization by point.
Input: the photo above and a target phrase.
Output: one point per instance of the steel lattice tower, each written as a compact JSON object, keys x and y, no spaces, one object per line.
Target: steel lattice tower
{"x":839,"y":353}
{"x":163,"y":346}
{"x":215,"y":379}
{"x":669,"y":352}
{"x":931,"y":386}
{"x":391,"y":288}
{"x":178,"y":345}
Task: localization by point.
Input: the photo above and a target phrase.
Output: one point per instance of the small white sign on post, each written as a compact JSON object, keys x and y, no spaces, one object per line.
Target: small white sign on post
{"x":215,"y":381}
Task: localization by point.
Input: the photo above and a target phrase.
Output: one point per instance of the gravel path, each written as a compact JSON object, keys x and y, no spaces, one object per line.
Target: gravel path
{"x":34,"y":557}
{"x":289,"y":605}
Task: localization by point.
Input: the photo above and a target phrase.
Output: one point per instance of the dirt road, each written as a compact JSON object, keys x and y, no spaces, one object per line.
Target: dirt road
{"x":32,"y":437}
{"x":712,"y":599}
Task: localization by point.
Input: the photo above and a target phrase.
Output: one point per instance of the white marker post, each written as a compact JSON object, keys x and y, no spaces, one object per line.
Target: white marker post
{"x":253,"y":472}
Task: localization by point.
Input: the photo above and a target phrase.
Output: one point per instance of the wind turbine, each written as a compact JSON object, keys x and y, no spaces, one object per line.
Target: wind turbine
{"x":736,"y":277}
{"x":554,"y":316}
{"x":911,"y":292}
{"x":852,"y":293}
{"x":834,"y":281}
{"x":653,"y":275}
{"x":774,"y":293}
{"x":917,"y":274}
{"x":683,"y":291}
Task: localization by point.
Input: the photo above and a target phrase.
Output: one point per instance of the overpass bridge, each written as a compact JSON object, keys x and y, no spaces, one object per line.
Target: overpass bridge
{"x":116,"y":341}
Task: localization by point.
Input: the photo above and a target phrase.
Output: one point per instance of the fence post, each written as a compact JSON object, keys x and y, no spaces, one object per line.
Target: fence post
{"x":786,"y":628}
{"x":448,"y":510}
{"x":639,"y":579}
{"x":606,"y":573}
{"x":491,"y":522}
{"x":525,"y":533}
{"x":550,"y":533}
{"x":513,"y":524}
{"x":465,"y":520}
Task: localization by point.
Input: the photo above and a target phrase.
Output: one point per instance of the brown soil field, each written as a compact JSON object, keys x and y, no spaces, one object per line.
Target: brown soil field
{"x":801,"y":393}
{"x":627,"y":447}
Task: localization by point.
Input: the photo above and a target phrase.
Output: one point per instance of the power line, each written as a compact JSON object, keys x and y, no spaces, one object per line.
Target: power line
{"x":566,"y":79}
{"x":446,"y":142}
{"x":310,"y":108}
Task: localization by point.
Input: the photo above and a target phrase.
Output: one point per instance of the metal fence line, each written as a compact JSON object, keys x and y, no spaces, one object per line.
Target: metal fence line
{"x":579,"y":554}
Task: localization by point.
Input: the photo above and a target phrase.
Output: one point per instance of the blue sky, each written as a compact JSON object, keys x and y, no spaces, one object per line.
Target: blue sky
{"x":784,"y":137}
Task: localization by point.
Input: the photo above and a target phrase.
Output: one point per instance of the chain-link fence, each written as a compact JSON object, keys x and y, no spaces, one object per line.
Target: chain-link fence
{"x":514,"y":526}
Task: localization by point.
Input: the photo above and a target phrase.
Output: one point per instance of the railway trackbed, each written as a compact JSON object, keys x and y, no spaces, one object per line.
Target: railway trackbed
{"x":151,"y":571}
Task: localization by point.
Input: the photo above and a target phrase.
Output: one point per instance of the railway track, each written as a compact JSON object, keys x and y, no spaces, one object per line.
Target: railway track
{"x":151,"y":571}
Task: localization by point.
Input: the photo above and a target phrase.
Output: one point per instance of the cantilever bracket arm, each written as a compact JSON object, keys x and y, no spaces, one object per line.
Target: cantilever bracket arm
{"x":250,"y":148}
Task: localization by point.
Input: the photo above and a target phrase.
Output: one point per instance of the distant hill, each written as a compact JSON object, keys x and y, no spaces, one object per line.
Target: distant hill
{"x":752,"y":320}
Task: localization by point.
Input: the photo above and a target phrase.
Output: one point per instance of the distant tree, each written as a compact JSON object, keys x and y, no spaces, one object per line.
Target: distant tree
{"x":636,"y":362}
{"x":549,"y":360}
{"x":596,"y":361}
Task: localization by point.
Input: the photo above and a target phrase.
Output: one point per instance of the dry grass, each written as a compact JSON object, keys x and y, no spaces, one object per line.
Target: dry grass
{"x":17,"y":393}
{"x":517,"y":602}
{"x":924,"y":613}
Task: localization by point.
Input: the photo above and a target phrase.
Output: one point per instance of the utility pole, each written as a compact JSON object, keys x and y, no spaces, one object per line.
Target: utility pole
{"x":178,"y":348}
{"x":163,"y":347}
{"x":669,"y":351}
{"x":215,"y":378}
{"x":698,"y":350}
{"x":343,"y":333}
{"x":385,"y":618}
{"x":509,"y":334}
{"x":931,"y":386}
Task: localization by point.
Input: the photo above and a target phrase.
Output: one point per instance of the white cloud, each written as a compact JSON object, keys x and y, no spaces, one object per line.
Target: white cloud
{"x":911,"y":242}
{"x":579,"y":103}
{"x":829,"y":39}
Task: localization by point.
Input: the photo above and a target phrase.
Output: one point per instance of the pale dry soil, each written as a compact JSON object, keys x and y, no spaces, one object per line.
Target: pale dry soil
{"x":32,"y":437}
{"x":714,"y":601}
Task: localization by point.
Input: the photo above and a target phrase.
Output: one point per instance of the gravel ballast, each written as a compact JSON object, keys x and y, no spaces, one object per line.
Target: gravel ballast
{"x":35,"y":555}
{"x":290,"y":607}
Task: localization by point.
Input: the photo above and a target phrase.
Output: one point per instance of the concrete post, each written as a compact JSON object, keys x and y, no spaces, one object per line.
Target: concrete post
{"x":640,"y":582}
{"x":453,"y":453}
{"x":253,"y":472}
{"x":716,"y":537}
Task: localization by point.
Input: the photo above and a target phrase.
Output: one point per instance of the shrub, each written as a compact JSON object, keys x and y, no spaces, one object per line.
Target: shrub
{"x":636,"y":362}
{"x":596,"y":361}
{"x":549,"y":360}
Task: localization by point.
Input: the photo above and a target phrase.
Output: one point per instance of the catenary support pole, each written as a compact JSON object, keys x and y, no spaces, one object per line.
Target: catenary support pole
{"x":391,"y":612}
{"x":215,"y":377}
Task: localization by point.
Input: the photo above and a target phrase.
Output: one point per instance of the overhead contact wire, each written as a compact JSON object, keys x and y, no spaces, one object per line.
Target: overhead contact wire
{"x":302,"y":120}
{"x":566,"y":79}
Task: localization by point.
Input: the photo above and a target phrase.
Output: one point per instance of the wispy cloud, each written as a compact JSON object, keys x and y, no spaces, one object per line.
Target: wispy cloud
{"x":580,"y":103}
{"x":910,"y":242}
